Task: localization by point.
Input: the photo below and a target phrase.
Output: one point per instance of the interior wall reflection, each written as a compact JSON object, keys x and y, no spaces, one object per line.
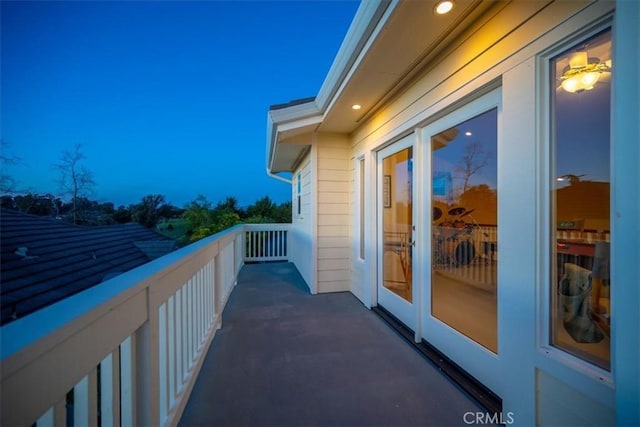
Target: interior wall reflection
{"x":580,"y":285}
{"x":397,"y":222}
{"x":464,"y":228}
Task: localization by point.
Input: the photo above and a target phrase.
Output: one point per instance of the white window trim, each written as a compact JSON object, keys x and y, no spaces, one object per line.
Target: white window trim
{"x":551,"y":358}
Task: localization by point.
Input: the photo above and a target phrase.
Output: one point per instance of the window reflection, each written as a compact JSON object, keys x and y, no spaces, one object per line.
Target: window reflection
{"x":581,"y":310}
{"x":464,"y":228}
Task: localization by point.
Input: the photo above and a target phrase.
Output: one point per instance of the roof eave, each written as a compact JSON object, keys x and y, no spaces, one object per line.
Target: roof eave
{"x":282,"y":119}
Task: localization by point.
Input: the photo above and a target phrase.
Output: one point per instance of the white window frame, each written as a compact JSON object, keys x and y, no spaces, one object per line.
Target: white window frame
{"x":556,"y":359}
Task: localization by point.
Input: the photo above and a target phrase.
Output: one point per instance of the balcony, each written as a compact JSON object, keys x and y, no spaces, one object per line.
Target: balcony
{"x":129,"y":351}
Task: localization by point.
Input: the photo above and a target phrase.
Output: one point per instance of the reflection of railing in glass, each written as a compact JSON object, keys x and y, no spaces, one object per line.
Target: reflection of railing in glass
{"x":468,"y":254}
{"x":397,"y":276}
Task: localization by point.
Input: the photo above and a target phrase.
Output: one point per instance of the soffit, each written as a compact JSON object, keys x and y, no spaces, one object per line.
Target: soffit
{"x":411,"y":39}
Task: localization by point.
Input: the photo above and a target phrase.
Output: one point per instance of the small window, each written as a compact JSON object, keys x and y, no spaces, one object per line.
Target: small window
{"x":299,"y":189}
{"x":580,"y":200}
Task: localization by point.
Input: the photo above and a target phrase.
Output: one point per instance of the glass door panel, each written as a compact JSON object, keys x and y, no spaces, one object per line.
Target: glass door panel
{"x":396,"y":291}
{"x":397,"y":223}
{"x":464,"y":228}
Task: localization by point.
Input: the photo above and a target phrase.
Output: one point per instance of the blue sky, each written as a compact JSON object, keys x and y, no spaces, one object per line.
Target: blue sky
{"x":166,"y":97}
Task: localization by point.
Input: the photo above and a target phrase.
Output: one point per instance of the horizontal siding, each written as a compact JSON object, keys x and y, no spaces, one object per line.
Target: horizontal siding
{"x":333,"y":145}
{"x":330,"y":253}
{"x":333,"y":220}
{"x":334,"y":164}
{"x":333,"y":242}
{"x":333,"y":209}
{"x":333,"y":212}
{"x":333,"y":197}
{"x":302,"y":233}
{"x":333,"y":264}
{"x":334,"y":230}
{"x":334,"y":187}
{"x":332,"y":275}
{"x":334,"y":150}
{"x":334,"y":286}
{"x":338,"y":175}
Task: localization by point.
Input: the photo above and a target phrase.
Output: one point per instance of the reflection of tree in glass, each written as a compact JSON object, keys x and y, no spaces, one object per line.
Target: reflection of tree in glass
{"x":573,"y":179}
{"x":482,"y":200}
{"x":472,"y":161}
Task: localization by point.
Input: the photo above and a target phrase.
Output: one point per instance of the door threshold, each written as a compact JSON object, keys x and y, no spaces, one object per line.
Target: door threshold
{"x":470,"y":385}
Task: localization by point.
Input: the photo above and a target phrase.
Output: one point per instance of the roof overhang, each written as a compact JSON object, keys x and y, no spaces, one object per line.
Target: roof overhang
{"x":389,"y":43}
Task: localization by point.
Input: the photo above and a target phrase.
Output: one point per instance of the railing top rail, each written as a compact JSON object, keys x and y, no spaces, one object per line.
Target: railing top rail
{"x":267,"y":227}
{"x":25,"y":331}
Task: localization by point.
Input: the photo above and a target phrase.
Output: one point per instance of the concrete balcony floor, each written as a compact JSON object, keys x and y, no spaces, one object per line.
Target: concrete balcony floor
{"x":284,"y":357}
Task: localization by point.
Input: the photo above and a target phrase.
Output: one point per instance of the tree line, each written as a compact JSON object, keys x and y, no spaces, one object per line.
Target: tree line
{"x":201,"y":217}
{"x":198,"y":219}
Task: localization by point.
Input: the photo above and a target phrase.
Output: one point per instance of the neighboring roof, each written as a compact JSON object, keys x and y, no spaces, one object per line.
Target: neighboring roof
{"x":292,"y":103}
{"x":45,"y":260}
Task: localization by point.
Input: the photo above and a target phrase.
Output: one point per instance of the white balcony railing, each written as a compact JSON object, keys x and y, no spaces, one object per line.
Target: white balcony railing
{"x":128,"y":351}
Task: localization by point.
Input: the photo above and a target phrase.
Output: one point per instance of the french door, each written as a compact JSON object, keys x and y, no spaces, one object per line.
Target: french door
{"x":460,"y":310}
{"x":395,"y":209}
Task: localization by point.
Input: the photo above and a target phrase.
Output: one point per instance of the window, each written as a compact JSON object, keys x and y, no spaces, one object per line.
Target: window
{"x":299,"y":191}
{"x":580,"y":200}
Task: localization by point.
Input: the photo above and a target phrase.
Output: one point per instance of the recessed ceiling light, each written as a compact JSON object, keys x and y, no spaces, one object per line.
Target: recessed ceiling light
{"x":444,"y":7}
{"x":356,"y":106}
{"x":468,"y":133}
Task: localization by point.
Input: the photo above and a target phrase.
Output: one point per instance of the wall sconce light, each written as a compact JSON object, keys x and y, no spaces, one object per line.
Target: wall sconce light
{"x":583,"y":72}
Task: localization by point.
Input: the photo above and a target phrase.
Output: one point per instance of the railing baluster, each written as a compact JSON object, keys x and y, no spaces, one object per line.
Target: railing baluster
{"x":200,"y":308}
{"x":185,"y":332}
{"x":106,"y":392}
{"x":47,"y":419}
{"x":172,"y":350}
{"x":190,"y":316}
{"x":179,"y":326}
{"x":162,"y":360}
{"x":209,"y":304}
{"x":126,"y":383}
{"x":81,"y":402}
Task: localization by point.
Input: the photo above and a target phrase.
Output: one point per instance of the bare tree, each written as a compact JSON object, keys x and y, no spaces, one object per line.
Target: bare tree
{"x":7,"y":183}
{"x":472,"y":161}
{"x":75,"y":180}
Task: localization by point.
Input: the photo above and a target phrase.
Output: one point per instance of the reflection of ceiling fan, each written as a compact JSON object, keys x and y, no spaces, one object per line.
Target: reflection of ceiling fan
{"x":583,"y":72}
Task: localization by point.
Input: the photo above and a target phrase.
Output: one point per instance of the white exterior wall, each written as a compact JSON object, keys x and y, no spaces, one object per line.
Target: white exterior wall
{"x":333,"y":234}
{"x":504,"y":53}
{"x":302,"y":228}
